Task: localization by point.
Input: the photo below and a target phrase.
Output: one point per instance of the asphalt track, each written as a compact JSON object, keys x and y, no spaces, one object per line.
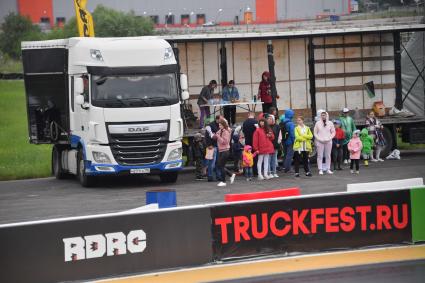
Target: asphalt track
{"x":47,"y":198}
{"x":393,"y":272}
{"x":381,"y":265}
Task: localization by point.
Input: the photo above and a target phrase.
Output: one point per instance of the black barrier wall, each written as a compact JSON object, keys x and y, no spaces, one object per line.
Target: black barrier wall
{"x":98,"y":247}
{"x":311,"y":224}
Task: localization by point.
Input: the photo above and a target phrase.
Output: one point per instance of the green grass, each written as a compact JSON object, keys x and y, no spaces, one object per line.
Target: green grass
{"x":403,"y":145}
{"x":18,"y":158}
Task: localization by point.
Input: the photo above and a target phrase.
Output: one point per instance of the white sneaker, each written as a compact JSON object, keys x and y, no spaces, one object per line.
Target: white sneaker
{"x":329,"y":172}
{"x":232,"y":178}
{"x":374,"y":160}
{"x":221,"y":184}
{"x":320,"y":172}
{"x":276,"y":176}
{"x":260,"y":177}
{"x":381,"y":160}
{"x":267,"y":177}
{"x":345,"y":161}
{"x":352,"y":171}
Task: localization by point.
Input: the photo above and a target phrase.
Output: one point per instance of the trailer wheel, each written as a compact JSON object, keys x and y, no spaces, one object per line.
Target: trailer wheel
{"x":168,"y":177}
{"x":57,"y":169}
{"x":85,"y":180}
{"x":389,"y":142}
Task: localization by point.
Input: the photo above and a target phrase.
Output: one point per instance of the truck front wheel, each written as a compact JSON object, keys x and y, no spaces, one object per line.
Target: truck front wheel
{"x":85,"y":180}
{"x":168,"y":177}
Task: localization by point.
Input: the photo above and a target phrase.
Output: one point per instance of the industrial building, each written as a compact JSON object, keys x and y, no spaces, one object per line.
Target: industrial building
{"x":184,"y":12}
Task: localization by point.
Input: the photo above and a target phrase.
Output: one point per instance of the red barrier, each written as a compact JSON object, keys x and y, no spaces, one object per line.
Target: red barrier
{"x":263,"y":195}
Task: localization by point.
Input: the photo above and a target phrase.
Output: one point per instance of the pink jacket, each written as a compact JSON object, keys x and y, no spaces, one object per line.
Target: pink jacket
{"x":223,"y":140}
{"x":355,"y":147}
{"x":322,"y":133}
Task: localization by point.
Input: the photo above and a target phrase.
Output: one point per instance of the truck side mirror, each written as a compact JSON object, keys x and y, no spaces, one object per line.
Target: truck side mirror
{"x":185,"y":95}
{"x":183,"y":82}
{"x":78,"y":85}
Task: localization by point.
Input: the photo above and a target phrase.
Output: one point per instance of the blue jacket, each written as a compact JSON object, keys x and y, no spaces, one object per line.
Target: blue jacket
{"x":290,"y":127}
{"x":228,"y":94}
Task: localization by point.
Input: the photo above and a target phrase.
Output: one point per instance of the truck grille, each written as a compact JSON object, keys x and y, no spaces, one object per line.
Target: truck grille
{"x":138,"y":149}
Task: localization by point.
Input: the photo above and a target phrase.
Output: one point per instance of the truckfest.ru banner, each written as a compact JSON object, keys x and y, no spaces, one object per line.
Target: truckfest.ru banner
{"x":311,"y":224}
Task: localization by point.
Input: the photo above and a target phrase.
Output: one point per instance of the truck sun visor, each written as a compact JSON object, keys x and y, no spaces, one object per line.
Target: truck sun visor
{"x":105,"y":71}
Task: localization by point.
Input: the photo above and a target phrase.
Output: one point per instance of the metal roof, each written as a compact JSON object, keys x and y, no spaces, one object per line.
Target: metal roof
{"x":291,"y":33}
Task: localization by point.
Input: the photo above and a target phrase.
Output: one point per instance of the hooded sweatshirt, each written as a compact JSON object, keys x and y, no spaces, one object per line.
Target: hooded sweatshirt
{"x":262,"y":143}
{"x":264,"y":89}
{"x":324,"y":132}
{"x":290,"y":127}
{"x":367,"y":141}
{"x":248,"y":156}
{"x":355,"y":147}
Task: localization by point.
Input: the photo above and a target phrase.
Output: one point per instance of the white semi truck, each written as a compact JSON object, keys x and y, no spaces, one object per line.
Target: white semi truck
{"x":110,"y":106}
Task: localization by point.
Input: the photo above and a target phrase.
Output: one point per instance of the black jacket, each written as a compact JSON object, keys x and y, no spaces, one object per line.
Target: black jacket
{"x":248,"y":129}
{"x":208,"y":140}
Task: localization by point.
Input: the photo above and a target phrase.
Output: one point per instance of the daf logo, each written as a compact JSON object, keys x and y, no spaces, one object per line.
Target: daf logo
{"x":138,"y":129}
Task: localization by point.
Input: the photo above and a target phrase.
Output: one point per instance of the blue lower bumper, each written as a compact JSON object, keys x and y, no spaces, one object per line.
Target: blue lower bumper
{"x":113,"y":169}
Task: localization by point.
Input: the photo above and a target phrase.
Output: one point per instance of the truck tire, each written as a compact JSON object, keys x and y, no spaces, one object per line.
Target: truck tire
{"x":85,"y":180}
{"x":168,"y":177}
{"x":57,"y":169}
{"x":389,"y":142}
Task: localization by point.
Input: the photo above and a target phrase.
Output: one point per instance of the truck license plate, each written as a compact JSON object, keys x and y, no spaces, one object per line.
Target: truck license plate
{"x":140,"y":171}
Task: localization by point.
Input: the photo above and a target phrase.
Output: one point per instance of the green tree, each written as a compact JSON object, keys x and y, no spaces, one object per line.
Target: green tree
{"x":112,"y":23}
{"x":15,"y":29}
{"x":68,"y":30}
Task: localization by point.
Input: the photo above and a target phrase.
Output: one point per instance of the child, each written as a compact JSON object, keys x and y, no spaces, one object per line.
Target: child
{"x":248,"y":161}
{"x":198,"y":154}
{"x":337,"y":143}
{"x":355,"y":147}
{"x":367,"y":142}
{"x":302,"y":146}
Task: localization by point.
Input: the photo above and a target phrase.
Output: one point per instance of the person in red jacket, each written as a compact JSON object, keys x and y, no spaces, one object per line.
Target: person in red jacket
{"x":264,"y":92}
{"x":263,"y":144}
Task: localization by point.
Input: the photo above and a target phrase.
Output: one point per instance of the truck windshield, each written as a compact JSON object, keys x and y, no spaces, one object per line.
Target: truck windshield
{"x":134,"y":90}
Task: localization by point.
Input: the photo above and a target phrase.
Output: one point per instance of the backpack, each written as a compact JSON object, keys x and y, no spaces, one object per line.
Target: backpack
{"x":285,"y":133}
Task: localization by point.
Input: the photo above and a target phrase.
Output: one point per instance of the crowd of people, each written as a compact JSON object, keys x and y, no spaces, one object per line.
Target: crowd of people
{"x":256,"y":145}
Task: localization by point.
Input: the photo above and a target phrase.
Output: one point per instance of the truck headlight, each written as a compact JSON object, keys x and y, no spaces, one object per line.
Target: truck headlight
{"x":101,"y":157}
{"x":175,"y":154}
{"x":168,"y":54}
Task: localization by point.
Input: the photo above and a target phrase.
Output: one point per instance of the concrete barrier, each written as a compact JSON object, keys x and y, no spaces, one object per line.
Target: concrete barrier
{"x":386,"y":185}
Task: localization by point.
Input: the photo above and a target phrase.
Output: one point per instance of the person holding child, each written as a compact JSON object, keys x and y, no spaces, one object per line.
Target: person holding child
{"x":302,"y":146}
{"x":375,"y":129}
{"x":355,"y":148}
{"x":248,"y":161}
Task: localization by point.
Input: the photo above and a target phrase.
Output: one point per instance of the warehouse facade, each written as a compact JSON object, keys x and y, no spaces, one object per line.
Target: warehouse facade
{"x":184,"y":12}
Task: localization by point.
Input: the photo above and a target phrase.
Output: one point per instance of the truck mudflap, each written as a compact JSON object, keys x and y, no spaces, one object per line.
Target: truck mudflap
{"x":94,"y":169}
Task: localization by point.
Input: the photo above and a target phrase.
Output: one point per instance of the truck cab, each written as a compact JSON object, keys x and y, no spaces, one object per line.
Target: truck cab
{"x":110,"y":106}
